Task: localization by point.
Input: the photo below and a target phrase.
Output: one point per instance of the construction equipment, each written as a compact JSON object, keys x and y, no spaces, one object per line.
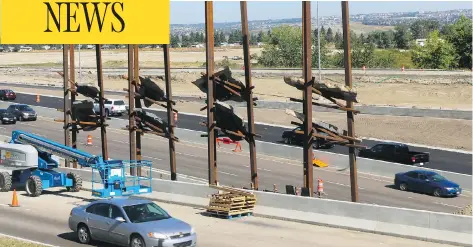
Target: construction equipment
{"x":37,"y":169}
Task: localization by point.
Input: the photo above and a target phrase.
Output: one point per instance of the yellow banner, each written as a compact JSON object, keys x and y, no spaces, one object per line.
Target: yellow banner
{"x":84,"y":22}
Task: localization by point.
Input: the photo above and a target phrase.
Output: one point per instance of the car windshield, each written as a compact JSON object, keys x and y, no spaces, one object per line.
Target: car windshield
{"x":437,"y":177}
{"x":119,"y":102}
{"x":145,"y":212}
{"x":24,"y":108}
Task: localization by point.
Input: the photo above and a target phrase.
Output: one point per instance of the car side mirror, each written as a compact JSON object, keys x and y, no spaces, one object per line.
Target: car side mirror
{"x":120,"y":219}
{"x":427,"y":180}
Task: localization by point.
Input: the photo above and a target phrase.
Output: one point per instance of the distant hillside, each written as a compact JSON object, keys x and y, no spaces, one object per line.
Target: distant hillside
{"x":360,"y":23}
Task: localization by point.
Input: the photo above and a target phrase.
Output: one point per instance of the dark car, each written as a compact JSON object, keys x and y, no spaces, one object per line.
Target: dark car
{"x":395,"y":152}
{"x":426,"y":182}
{"x":292,"y":137}
{"x":7,"y":117}
{"x":7,"y":94}
{"x":22,"y":112}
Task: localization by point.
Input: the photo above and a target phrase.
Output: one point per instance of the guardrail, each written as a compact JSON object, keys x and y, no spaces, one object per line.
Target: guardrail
{"x":401,"y":222}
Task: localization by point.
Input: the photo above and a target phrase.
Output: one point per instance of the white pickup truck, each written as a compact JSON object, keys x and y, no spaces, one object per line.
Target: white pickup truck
{"x":112,"y":107}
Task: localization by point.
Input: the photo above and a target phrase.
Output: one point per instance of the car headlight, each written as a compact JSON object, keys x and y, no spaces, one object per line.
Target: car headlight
{"x":157,"y":235}
{"x":24,"y":114}
{"x":449,"y":188}
{"x":192,"y":230}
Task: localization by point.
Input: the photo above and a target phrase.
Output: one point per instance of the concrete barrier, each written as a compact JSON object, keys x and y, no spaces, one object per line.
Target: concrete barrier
{"x":409,"y":223}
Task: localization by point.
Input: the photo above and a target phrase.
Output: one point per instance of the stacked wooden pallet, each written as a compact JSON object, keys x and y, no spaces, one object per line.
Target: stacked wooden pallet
{"x":230,"y":202}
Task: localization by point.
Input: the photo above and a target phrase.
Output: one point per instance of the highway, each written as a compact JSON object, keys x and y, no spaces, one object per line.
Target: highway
{"x":45,"y":219}
{"x":233,"y":168}
{"x":439,"y":159}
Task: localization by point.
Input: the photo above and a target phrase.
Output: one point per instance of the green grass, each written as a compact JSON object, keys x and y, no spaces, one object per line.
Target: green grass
{"x":11,"y":242}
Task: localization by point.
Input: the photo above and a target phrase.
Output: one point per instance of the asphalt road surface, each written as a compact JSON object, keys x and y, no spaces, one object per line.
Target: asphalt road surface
{"x":233,"y":168}
{"x":45,"y":219}
{"x":439,"y":159}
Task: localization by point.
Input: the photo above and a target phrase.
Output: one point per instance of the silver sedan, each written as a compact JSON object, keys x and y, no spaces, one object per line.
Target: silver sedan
{"x":130,"y":222}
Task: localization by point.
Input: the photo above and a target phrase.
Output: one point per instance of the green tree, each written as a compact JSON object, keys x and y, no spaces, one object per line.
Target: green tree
{"x":402,"y":37}
{"x":420,"y":29}
{"x":338,"y":39}
{"x":329,"y":35}
{"x":284,"y":48}
{"x":435,"y":54}
{"x":174,"y":42}
{"x":459,"y":35}
{"x":260,"y":36}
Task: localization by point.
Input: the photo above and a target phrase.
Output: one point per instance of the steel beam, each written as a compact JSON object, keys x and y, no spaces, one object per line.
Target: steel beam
{"x":210,"y":66}
{"x":103,"y":130}
{"x":131,"y":108}
{"x":350,"y":115}
{"x":67,"y":99}
{"x":136,"y":73}
{"x":249,"y":85}
{"x":307,"y":96}
{"x":170,"y":113}
{"x":73,"y":98}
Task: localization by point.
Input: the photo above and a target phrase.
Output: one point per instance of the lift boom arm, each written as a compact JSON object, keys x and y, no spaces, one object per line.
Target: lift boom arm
{"x":44,"y":145}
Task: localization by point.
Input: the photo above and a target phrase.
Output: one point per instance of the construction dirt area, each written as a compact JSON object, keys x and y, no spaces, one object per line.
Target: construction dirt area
{"x":421,"y":89}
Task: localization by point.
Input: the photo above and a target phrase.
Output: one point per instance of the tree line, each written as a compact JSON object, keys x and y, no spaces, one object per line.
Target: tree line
{"x":445,"y":47}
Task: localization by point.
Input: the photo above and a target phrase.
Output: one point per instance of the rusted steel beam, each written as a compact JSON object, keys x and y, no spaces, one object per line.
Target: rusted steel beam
{"x":249,"y":104}
{"x":131,"y":108}
{"x":210,"y":67}
{"x":350,"y":115}
{"x":67,"y":99}
{"x":307,"y":96}
{"x":136,"y":73}
{"x":170,"y":112}
{"x":103,"y":130}
{"x":72,"y":87}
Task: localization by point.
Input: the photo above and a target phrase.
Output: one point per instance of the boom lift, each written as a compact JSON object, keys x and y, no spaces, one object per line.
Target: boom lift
{"x":40,"y":176}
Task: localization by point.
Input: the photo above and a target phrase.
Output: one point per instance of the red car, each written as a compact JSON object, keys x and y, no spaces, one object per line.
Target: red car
{"x":7,"y":94}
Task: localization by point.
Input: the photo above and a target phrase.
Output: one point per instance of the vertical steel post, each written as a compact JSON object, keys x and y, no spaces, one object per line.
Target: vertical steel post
{"x":167,"y":79}
{"x":103,"y":131}
{"x":136,"y":73}
{"x":307,"y":105}
{"x":67,"y":100}
{"x":350,"y":115}
{"x":131,"y":108}
{"x":249,"y":105}
{"x":73,"y":98}
{"x":209,"y":37}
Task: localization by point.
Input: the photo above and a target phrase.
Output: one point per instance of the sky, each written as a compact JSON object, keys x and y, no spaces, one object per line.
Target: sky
{"x":192,"y":12}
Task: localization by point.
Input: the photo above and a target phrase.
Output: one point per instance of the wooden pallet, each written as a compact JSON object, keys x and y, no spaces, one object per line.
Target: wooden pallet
{"x":231,"y":203}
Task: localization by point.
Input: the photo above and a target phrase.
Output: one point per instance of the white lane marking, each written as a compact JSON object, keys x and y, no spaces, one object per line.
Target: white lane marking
{"x":149,"y":157}
{"x":448,"y":205}
{"x":262,"y":169}
{"x":191,"y":155}
{"x":27,"y":240}
{"x":344,"y":185}
{"x":226,"y":173}
{"x":28,"y":124}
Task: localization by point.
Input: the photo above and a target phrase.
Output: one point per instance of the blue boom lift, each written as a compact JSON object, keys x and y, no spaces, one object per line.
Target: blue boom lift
{"x":114,"y":180}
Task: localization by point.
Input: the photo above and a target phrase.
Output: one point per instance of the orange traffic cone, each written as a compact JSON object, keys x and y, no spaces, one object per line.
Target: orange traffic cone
{"x":37,"y":98}
{"x":402,"y":68}
{"x":320,"y":187}
{"x":14,"y":202}
{"x":89,"y":140}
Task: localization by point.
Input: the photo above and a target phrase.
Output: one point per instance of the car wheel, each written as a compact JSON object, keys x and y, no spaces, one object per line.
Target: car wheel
{"x":3,"y":122}
{"x":403,"y":186}
{"x":137,"y":241}
{"x":83,"y":234}
{"x":107,"y":113}
{"x":5,"y":182}
{"x":437,"y":192}
{"x":286,"y":141}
